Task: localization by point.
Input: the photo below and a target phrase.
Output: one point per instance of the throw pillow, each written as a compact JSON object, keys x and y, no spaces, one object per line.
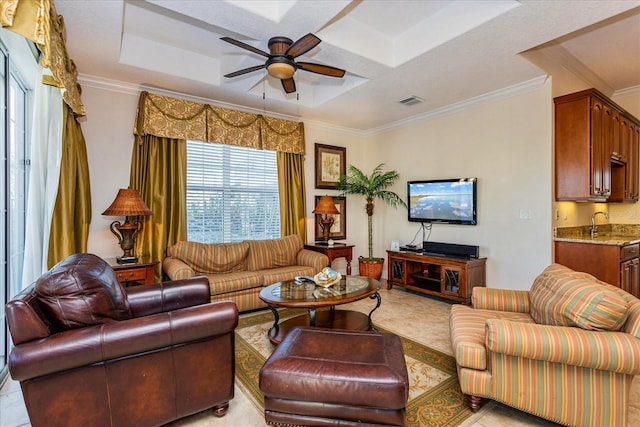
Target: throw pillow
{"x":562,"y":297}
{"x":211,"y":258}
{"x":273,"y":253}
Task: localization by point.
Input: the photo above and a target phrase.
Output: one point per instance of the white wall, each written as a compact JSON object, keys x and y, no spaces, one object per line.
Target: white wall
{"x":506,"y":144}
{"x":356,"y":150}
{"x":108,"y":132}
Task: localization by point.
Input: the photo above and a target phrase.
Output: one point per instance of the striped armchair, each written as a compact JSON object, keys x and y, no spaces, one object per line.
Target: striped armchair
{"x":567,"y":350}
{"x":238,"y":271}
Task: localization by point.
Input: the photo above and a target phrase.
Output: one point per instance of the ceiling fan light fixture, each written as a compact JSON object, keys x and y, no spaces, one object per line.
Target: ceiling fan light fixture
{"x":281,"y":63}
{"x":281,"y":70}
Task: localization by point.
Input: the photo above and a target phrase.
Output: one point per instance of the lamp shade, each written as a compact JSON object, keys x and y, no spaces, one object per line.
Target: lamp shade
{"x":128,"y":202}
{"x":326,"y":206}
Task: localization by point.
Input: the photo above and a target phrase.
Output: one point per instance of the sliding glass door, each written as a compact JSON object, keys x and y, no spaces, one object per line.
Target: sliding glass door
{"x":17,"y":65}
{"x":4,"y":342}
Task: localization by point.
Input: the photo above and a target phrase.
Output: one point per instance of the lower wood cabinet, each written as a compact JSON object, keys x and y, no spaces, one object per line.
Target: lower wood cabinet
{"x":618,"y":265}
{"x":630,"y":280}
{"x":446,"y":277}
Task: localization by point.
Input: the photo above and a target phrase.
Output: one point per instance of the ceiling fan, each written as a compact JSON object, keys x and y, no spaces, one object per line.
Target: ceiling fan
{"x":281,"y":62}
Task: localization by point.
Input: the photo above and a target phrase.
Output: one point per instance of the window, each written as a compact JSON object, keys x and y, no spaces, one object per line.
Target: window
{"x":232,"y":193}
{"x":17,"y":65}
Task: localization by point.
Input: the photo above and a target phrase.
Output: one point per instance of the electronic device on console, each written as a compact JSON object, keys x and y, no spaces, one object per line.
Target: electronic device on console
{"x":450,"y":250}
{"x":411,"y":248}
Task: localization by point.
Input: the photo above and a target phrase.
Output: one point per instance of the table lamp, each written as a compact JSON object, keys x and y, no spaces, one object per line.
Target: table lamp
{"x":128,"y":203}
{"x":325,"y":208}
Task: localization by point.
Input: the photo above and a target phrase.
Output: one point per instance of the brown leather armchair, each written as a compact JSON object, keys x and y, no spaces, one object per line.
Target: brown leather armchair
{"x":89,"y":352}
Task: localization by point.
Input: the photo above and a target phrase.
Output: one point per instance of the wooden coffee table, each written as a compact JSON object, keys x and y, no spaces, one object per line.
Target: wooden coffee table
{"x":307,"y":295}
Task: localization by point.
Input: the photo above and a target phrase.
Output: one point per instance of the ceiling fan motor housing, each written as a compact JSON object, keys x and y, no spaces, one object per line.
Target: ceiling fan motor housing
{"x":279,"y":65}
{"x":279,"y":45}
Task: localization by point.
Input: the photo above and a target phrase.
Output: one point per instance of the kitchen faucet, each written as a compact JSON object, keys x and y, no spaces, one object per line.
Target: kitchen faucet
{"x":594,"y":227}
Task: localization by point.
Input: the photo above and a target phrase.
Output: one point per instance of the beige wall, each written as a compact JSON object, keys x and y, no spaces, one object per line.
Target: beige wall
{"x":108,"y":131}
{"x":505,"y":143}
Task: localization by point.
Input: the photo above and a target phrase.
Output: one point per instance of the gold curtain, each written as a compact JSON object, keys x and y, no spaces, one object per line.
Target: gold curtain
{"x":180,"y":119}
{"x":72,"y":210}
{"x":159,"y":172}
{"x":38,"y":21}
{"x":292,"y":194}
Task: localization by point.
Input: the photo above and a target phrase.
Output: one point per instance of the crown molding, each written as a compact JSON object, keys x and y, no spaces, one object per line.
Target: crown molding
{"x":133,"y":89}
{"x":633,"y":90}
{"x":557,"y":54}
{"x":504,"y":93}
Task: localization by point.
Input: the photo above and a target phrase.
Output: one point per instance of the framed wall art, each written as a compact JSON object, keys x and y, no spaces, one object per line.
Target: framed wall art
{"x":339,"y":228}
{"x":330,"y":164}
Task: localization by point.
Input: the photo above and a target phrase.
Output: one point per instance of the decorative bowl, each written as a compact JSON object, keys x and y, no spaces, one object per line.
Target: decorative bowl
{"x":328,"y":282}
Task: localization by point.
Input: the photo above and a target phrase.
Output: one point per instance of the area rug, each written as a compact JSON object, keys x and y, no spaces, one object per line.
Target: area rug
{"x":435,"y":398}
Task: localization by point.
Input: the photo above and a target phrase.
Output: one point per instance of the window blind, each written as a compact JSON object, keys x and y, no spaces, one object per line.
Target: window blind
{"x":232,"y":193}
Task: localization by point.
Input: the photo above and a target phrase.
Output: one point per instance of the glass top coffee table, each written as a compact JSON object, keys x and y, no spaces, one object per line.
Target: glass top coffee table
{"x":308,"y":295}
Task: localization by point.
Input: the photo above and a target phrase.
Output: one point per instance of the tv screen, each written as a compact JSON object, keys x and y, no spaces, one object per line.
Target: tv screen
{"x":447,"y":201}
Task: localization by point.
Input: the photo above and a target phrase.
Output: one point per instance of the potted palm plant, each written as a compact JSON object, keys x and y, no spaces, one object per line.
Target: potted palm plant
{"x":371,"y":187}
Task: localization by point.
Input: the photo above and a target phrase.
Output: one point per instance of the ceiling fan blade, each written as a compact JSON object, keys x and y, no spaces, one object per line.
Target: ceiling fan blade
{"x":244,"y":71}
{"x":245,"y":46}
{"x":303,"y":45}
{"x":289,"y":85}
{"x":321,"y":69}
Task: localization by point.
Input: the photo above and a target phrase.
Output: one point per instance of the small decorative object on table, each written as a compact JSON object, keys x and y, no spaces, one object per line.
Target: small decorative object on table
{"x":327,"y":277}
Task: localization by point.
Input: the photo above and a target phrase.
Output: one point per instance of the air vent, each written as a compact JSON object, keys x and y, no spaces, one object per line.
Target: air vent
{"x":412,"y":100}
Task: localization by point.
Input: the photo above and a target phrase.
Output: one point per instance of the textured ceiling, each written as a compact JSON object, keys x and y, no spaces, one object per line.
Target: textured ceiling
{"x":444,"y":52}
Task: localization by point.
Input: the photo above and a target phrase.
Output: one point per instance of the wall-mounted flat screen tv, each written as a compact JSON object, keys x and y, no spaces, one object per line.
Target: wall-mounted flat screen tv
{"x":447,"y":201}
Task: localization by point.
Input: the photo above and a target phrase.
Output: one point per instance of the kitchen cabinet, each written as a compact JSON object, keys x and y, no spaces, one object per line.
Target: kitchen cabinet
{"x":630,"y":276}
{"x":596,"y":149}
{"x":618,"y":265}
{"x":630,"y":134}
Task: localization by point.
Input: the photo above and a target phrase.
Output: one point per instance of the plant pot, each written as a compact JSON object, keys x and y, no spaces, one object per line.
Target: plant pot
{"x":370,"y":267}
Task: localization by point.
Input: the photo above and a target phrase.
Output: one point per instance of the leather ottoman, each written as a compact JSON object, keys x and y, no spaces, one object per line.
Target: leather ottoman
{"x":324,"y":377}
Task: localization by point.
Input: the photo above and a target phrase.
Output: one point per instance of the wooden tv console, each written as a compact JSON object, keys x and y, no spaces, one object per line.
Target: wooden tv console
{"x":446,"y":277}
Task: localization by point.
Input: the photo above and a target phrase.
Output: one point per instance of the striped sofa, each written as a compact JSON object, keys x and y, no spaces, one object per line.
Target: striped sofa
{"x":238,"y":271}
{"x":567,"y":350}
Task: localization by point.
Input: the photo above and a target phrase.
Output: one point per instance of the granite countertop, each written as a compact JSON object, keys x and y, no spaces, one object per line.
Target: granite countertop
{"x":608,"y":234}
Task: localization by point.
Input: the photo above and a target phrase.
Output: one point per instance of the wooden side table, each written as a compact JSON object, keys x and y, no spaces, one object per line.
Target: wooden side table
{"x":338,"y":250}
{"x":140,"y":273}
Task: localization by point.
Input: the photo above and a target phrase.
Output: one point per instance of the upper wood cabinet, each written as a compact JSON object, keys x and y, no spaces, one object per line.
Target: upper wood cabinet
{"x":596,"y":149}
{"x":632,"y":136}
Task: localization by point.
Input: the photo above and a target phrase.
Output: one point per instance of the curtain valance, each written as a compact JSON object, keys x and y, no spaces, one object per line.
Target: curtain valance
{"x":38,"y":21}
{"x":179,"y":119}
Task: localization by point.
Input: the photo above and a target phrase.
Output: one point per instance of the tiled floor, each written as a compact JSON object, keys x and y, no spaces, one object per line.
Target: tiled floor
{"x":418,"y":317}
